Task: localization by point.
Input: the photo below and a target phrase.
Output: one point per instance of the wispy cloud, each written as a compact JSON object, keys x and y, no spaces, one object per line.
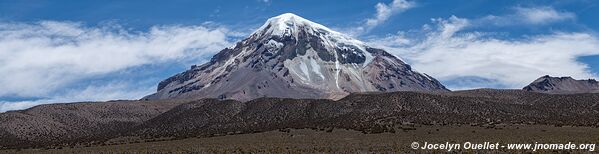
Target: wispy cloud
{"x":542,"y":15}
{"x":527,"y":15}
{"x":450,"y":54}
{"x":37,"y":59}
{"x":384,"y":11}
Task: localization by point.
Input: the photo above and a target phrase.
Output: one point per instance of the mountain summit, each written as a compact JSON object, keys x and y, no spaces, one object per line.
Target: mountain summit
{"x":562,"y":85}
{"x":291,"y":57}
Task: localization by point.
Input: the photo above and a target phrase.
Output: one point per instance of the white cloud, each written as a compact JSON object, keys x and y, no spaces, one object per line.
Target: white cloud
{"x":384,"y":11}
{"x":448,"y":54}
{"x":36,"y":59}
{"x":448,"y":28}
{"x":541,"y":15}
{"x":530,"y":16}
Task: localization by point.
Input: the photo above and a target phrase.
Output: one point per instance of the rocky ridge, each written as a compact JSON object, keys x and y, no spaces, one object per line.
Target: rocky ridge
{"x":563,"y":85}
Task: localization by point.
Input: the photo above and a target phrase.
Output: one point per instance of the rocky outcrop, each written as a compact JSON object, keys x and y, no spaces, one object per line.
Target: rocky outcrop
{"x":563,"y":85}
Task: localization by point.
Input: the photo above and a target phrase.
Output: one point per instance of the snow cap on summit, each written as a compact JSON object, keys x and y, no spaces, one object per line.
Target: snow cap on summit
{"x":278,"y":25}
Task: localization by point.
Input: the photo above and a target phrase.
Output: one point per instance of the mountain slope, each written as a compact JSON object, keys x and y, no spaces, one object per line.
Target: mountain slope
{"x":89,"y":123}
{"x":563,"y":85}
{"x":368,"y":112}
{"x":76,"y":122}
{"x":291,"y":57}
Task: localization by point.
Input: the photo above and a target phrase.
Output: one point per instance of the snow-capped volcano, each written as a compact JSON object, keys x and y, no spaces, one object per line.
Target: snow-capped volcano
{"x":291,"y":57}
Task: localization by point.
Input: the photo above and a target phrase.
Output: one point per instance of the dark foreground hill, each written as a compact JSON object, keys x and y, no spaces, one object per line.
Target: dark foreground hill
{"x":75,"y":122}
{"x":349,"y":141}
{"x":370,"y":113}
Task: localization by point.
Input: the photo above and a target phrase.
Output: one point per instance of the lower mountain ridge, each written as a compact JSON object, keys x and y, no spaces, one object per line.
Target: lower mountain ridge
{"x":97,"y":123}
{"x":563,"y":85}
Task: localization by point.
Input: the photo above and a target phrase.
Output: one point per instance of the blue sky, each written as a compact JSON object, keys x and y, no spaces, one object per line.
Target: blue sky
{"x":64,"y":51}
